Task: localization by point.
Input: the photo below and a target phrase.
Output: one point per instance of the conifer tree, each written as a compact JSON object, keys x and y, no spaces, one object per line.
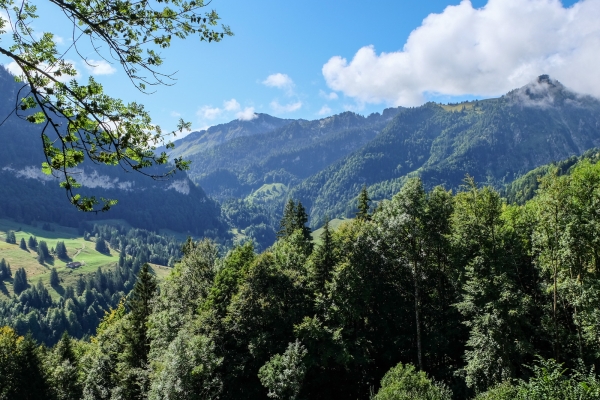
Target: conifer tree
{"x":20,"y":281}
{"x":301,"y":219}
{"x":40,"y":255}
{"x":140,"y":308}
{"x":363,"y":205}
{"x":61,"y":250}
{"x":101,"y":245}
{"x":43,"y":248}
{"x":324,"y":261}
{"x":294,"y":217}
{"x":54,"y":279}
{"x":122,"y":258}
{"x":4,"y":270}
{"x":11,"y":238}
{"x":287,"y":223}
{"x":32,"y":242}
{"x":23,"y":245}
{"x":63,"y":372}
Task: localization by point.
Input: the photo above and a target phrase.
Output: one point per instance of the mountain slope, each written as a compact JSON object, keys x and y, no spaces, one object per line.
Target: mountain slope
{"x":494,"y":140}
{"x":285,"y":155}
{"x":28,"y":195}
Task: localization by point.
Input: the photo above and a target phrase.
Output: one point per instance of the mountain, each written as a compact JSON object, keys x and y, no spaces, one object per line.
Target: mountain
{"x":202,"y":140}
{"x":28,"y":195}
{"x":286,"y":155}
{"x":324,"y":163}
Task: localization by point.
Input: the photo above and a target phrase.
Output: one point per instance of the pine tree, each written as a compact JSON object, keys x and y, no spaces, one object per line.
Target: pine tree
{"x":287,"y":224}
{"x":64,"y":349}
{"x":301,"y":219}
{"x":54,"y":279}
{"x":43,"y":248}
{"x":40,"y":256}
{"x":20,"y":281}
{"x":23,"y":245}
{"x":101,"y":245}
{"x":122,"y":258}
{"x":32,"y":242}
{"x":138,"y":344}
{"x":363,"y":205}
{"x":80,"y":285}
{"x":61,"y":250}
{"x":3,"y":270}
{"x":324,"y":261}
{"x":63,"y":371}
{"x":11,"y":238}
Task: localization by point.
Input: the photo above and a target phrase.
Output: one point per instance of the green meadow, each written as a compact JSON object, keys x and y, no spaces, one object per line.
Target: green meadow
{"x":78,"y":249}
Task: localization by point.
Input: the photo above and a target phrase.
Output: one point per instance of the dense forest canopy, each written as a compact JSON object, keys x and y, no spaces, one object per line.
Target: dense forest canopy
{"x":433,"y":295}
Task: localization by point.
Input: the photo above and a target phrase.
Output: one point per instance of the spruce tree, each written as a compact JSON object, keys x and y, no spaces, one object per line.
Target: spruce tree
{"x":54,"y":279}
{"x":33,"y":383}
{"x":3,"y":270}
{"x":101,"y":245}
{"x":301,"y":219}
{"x":324,"y":261}
{"x":23,"y":245}
{"x":32,"y":242}
{"x":363,"y":205}
{"x":61,"y":250}
{"x":11,"y":238}
{"x":138,"y":343}
{"x":43,"y":248}
{"x":63,"y":371}
{"x":20,"y":281}
{"x":40,"y":255}
{"x":122,"y":258}
{"x":287,"y":224}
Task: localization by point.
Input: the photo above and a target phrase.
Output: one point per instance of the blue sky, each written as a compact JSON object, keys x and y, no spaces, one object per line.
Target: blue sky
{"x":312,"y":59}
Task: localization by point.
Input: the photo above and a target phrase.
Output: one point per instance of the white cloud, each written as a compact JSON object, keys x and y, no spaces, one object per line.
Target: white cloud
{"x":247,"y":114}
{"x":325,"y":110}
{"x":208,"y":112}
{"x":328,"y":96}
{"x":483,"y":52}
{"x":280,"y":81}
{"x":285,"y":108}
{"x":99,"y":67}
{"x":175,"y":114}
{"x":231,"y":105}
{"x":14,"y":69}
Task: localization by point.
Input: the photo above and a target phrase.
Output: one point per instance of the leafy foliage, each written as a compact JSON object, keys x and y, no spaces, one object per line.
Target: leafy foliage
{"x":79,"y":120}
{"x":437,"y":295}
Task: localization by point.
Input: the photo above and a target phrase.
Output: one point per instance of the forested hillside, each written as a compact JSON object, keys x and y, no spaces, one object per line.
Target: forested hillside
{"x":28,"y":195}
{"x":434,"y":295}
{"x":324,"y":163}
{"x":41,"y":295}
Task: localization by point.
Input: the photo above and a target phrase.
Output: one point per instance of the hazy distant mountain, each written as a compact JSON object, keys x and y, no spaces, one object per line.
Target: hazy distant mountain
{"x":286,"y":155}
{"x":202,"y":140}
{"x":28,"y":195}
{"x":493,"y":140}
{"x":325,"y":162}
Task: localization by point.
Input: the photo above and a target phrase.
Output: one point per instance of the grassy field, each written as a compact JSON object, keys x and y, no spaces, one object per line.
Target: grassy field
{"x":78,"y":249}
{"x":333,"y":225}
{"x":458,"y":107}
{"x":268,"y":192}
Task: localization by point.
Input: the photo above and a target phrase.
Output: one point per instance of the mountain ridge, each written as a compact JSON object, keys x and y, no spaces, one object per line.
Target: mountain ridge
{"x":494,"y":140}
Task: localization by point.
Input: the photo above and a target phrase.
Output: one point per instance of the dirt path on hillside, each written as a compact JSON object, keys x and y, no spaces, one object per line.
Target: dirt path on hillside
{"x":78,"y":251}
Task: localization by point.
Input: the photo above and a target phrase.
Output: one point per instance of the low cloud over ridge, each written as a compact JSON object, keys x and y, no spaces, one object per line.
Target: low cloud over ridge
{"x":482,"y":52}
